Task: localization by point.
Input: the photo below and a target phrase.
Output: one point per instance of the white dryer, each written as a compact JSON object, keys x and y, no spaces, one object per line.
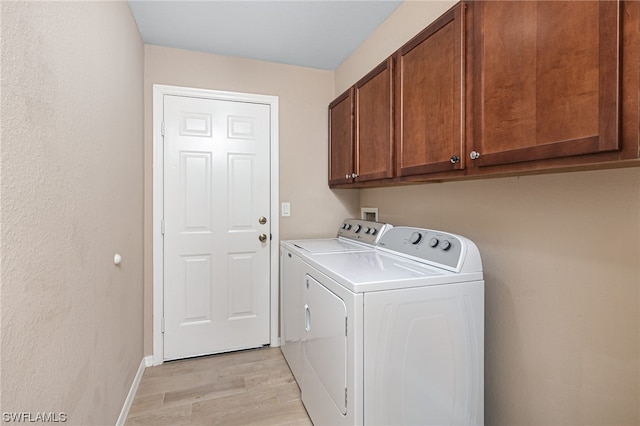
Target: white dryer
{"x":394,"y":335}
{"x":354,"y":235}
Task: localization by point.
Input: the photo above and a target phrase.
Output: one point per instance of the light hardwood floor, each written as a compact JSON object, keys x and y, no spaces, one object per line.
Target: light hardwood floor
{"x":253,"y":387}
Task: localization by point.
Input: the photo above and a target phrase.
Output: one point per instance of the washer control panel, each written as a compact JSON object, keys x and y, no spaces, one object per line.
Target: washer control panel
{"x":434,"y":247}
{"x":365,"y":231}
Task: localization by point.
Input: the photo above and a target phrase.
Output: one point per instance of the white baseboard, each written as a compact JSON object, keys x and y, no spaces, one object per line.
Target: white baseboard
{"x":146,"y":362}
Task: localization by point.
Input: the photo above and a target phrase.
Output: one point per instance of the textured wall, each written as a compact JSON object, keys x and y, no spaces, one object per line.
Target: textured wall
{"x":304,"y":95}
{"x":561,"y":255}
{"x":71,"y":182}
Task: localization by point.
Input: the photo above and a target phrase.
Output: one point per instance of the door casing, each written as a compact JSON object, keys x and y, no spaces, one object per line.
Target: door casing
{"x":158,"y":201}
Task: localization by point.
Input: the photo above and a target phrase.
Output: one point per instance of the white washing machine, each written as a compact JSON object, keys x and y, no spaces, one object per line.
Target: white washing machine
{"x":354,"y":235}
{"x":394,"y":335}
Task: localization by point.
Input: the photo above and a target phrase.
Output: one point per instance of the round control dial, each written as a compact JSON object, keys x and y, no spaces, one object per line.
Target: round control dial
{"x":445,"y":245}
{"x":415,"y":238}
{"x":433,"y":242}
{"x":357,"y":229}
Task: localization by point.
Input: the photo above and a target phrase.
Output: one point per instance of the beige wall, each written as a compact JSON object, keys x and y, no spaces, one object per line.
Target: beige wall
{"x":71,"y":179}
{"x":304,"y":95}
{"x":411,"y":17}
{"x":561,"y":255}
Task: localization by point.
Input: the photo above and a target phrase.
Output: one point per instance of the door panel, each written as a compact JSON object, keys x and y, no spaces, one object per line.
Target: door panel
{"x":217,"y":181}
{"x":241,"y":168}
{"x":195,"y":184}
{"x":197,"y":276}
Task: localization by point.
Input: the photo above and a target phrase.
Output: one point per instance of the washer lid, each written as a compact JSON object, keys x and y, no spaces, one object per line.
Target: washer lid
{"x":329,"y":245}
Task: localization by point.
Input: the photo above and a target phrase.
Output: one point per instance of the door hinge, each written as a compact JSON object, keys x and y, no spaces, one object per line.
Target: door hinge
{"x":162,"y":226}
{"x":162,"y":128}
{"x":162,"y":325}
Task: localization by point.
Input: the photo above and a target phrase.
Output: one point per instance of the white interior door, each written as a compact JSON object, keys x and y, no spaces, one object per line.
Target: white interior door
{"x":216,"y":208}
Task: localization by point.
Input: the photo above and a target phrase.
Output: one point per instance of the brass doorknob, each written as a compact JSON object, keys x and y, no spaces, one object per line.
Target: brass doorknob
{"x":262,"y":220}
{"x":262,"y":238}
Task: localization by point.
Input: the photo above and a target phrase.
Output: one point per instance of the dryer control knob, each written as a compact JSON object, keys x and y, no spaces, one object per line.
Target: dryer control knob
{"x":357,"y":229}
{"x":433,"y":242}
{"x":445,"y":245}
{"x":415,"y":238}
{"x":373,"y":231}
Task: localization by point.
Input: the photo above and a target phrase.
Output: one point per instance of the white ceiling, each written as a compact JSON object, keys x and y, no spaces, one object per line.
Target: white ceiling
{"x":316,"y":34}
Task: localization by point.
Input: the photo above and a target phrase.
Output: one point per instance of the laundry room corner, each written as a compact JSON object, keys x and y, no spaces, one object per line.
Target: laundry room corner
{"x":303,"y":94}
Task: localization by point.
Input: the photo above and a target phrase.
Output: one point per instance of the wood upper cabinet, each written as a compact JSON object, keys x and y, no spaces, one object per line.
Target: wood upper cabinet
{"x":341,"y":138}
{"x":430,"y":134}
{"x":545,"y":80}
{"x":374,"y":124}
{"x":361,"y":129}
{"x":496,"y":87}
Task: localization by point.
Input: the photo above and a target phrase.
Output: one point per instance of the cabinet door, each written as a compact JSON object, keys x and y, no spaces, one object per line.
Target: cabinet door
{"x":429,"y":98}
{"x":374,"y":124}
{"x":341,"y":139}
{"x":546,"y":80}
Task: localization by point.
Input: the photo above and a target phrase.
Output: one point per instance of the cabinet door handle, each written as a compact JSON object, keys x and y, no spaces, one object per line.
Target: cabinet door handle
{"x":474,"y":155}
{"x":347,"y":176}
{"x":454,"y":159}
{"x":354,"y":175}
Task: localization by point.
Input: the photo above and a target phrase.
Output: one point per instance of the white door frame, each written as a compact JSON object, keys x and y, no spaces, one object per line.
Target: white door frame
{"x":158,"y":202}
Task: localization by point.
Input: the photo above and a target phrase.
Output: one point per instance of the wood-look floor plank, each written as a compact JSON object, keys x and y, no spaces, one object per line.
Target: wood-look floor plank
{"x":175,"y":382}
{"x":208,"y":391}
{"x":271,"y":415}
{"x":239,"y":388}
{"x":144,"y":403}
{"x":234,"y":405}
{"x":170,"y":416}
